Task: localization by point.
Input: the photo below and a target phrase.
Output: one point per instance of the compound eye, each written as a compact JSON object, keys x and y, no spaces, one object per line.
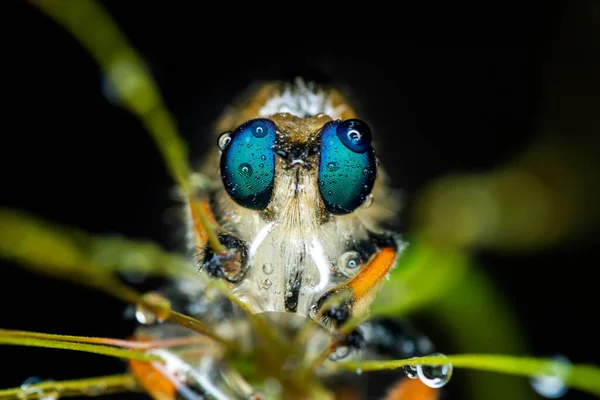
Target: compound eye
{"x":347,"y":168}
{"x":248,"y":163}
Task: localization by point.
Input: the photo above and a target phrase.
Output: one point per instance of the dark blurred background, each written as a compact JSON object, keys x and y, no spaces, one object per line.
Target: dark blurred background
{"x":462,"y":92}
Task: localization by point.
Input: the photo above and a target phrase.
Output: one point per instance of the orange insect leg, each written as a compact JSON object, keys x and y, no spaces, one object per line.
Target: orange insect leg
{"x":153,"y":381}
{"x":412,"y":389}
{"x":371,"y":276}
{"x":201,"y":235}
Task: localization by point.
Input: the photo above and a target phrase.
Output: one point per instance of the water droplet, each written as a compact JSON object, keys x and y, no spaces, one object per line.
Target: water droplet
{"x":340,"y":353}
{"x":435,"y":376}
{"x":333,"y":166}
{"x":266,"y":284}
{"x":322,"y":183}
{"x":245,"y":170}
{"x":368,"y":201}
{"x":224,"y":141}
{"x":28,"y":391}
{"x":268,"y":268}
{"x":144,"y":316}
{"x":263,"y":157}
{"x":330,"y":193}
{"x":262,"y":165}
{"x":349,"y":263}
{"x":411,"y":371}
{"x":551,"y":382}
{"x":366,"y":171}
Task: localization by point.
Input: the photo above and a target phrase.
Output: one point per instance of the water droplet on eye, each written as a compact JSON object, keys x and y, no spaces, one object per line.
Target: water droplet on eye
{"x":435,"y":376}
{"x":354,"y":136}
{"x":262,"y":165}
{"x":368,"y":201}
{"x":550,"y":383}
{"x":410,"y":371}
{"x":330,"y":193}
{"x":263,"y":157}
{"x":266,"y":284}
{"x":245,"y":170}
{"x":322,"y":183}
{"x":366,"y":171}
{"x":268,"y":268}
{"x":333,"y":166}
{"x":224,"y":141}
{"x":340,"y":353}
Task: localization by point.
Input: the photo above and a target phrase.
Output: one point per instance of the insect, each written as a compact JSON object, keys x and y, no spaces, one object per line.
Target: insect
{"x":285,"y":230}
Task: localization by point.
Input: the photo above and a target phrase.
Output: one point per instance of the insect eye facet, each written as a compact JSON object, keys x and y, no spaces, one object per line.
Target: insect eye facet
{"x":248,"y":163}
{"x":347,"y":169}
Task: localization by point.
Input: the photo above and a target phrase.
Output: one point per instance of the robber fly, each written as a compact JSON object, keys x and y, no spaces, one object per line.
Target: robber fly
{"x":287,"y":227}
{"x":298,"y":198}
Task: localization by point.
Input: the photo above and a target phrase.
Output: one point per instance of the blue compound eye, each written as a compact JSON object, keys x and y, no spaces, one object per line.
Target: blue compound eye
{"x":347,"y":169}
{"x":248,"y":163}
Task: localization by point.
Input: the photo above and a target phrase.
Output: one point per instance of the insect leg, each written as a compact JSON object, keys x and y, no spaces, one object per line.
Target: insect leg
{"x":230,"y":264}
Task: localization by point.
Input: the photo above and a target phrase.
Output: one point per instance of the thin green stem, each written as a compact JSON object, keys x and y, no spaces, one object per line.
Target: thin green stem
{"x":582,"y":377}
{"x":76,"y":387}
{"x":89,"y":348}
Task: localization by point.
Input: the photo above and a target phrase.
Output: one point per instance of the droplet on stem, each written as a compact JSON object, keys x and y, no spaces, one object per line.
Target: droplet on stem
{"x":435,"y":376}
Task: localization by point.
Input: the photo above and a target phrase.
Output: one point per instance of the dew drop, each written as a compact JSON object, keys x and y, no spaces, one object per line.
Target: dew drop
{"x":333,"y":166}
{"x":263,"y":157}
{"x":144,"y":316}
{"x":245,"y":170}
{"x":266,"y":284}
{"x":30,"y":392}
{"x":435,"y":376}
{"x":267,"y":268}
{"x":349,"y":263}
{"x":411,"y":371}
{"x":368,"y":201}
{"x":224,"y":141}
{"x":340,"y":353}
{"x":551,"y":382}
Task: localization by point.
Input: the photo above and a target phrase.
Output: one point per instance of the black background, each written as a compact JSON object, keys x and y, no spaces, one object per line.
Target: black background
{"x":457,"y":91}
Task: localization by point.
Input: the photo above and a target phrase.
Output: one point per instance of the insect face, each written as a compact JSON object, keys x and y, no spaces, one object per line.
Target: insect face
{"x":295,"y":189}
